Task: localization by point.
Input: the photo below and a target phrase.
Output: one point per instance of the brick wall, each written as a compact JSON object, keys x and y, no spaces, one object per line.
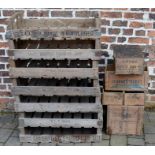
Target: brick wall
{"x":119,"y":26}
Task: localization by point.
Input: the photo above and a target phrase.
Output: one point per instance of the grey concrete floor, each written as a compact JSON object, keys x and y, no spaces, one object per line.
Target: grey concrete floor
{"x":9,"y":134}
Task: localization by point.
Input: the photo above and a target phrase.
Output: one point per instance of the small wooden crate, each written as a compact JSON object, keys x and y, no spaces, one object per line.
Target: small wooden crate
{"x":123,"y":98}
{"x":115,"y":82}
{"x":125,"y":120}
{"x":128,"y":60}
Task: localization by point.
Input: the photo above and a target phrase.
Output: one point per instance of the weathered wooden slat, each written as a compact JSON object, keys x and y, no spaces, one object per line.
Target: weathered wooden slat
{"x":61,"y":22}
{"x":125,"y":82}
{"x":58,"y":122}
{"x":76,"y":138}
{"x":54,"y":72}
{"x":53,"y":33}
{"x":58,"y":54}
{"x":57,"y":107}
{"x":50,"y":91}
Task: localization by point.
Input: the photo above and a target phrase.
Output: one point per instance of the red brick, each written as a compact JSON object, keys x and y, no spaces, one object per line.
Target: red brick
{"x":86,"y":14}
{"x":120,"y":8}
{"x":107,"y":39}
{"x":2,"y":52}
{"x":2,"y":29}
{"x":127,"y":31}
{"x":4,"y":44}
{"x":5,"y":93}
{"x":121,"y":39}
{"x":103,"y":30}
{"x":4,"y":73}
{"x":139,"y":40}
{"x":114,"y":31}
{"x":136,"y":24}
{"x":2,"y":66}
{"x":152,"y":16}
{"x":153,"y":41}
{"x":8,"y":12}
{"x":7,"y":80}
{"x":151,"y":33}
{"x":61,"y":13}
{"x":104,"y":46}
{"x":35,"y":13}
{"x":3,"y":59}
{"x":111,"y":14}
{"x":133,"y":15}
{"x":148,"y":25}
{"x":2,"y":87}
{"x":5,"y":101}
{"x":3,"y":21}
{"x":139,"y":9}
{"x":140,"y":33}
{"x":120,"y":23}
{"x":105,"y":22}
{"x":152,"y":9}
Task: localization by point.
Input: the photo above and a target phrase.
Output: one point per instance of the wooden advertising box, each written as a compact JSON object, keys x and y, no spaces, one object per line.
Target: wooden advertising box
{"x":115,"y":82}
{"x":128,"y":60}
{"x":125,"y":120}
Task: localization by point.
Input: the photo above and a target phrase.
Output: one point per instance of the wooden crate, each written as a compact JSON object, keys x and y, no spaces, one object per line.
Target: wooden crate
{"x":74,"y":126}
{"x":122,"y":98}
{"x":128,"y":60}
{"x":134,"y":99}
{"x":115,"y":82}
{"x":68,"y":28}
{"x":125,"y":120}
{"x":112,"y":98}
{"x":54,"y":67}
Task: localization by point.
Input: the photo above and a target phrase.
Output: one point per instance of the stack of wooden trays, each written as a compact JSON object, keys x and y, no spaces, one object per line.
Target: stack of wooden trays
{"x":125,"y":83}
{"x":55,"y":79}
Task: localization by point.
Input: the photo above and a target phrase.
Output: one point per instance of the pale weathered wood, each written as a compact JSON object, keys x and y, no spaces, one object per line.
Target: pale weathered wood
{"x":59,"y":122}
{"x":134,"y":99}
{"x":57,"y":54}
{"x":15,"y":21}
{"x":61,"y":22}
{"x":129,"y":66}
{"x":57,"y":107}
{"x":57,"y":33}
{"x":112,"y":98}
{"x":125,"y":120}
{"x":54,"y":72}
{"x":51,"y":90}
{"x":76,"y":138}
{"x":125,"y":82}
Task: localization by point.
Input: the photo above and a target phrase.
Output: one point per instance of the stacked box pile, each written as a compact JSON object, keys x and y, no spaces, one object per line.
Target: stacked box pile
{"x":125,"y":83}
{"x":54,"y":67}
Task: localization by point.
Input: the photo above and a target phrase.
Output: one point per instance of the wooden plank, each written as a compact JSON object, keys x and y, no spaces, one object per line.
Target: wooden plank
{"x":50,"y":91}
{"x":125,"y":82}
{"x":61,"y":22}
{"x":54,"y":33}
{"x":58,"y":122}
{"x":134,"y":99}
{"x":56,"y":107}
{"x":125,"y":120}
{"x":112,"y":98}
{"x":75,"y":138}
{"x":129,"y":65}
{"x":128,"y":51}
{"x":57,"y":54}
{"x":54,"y":72}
